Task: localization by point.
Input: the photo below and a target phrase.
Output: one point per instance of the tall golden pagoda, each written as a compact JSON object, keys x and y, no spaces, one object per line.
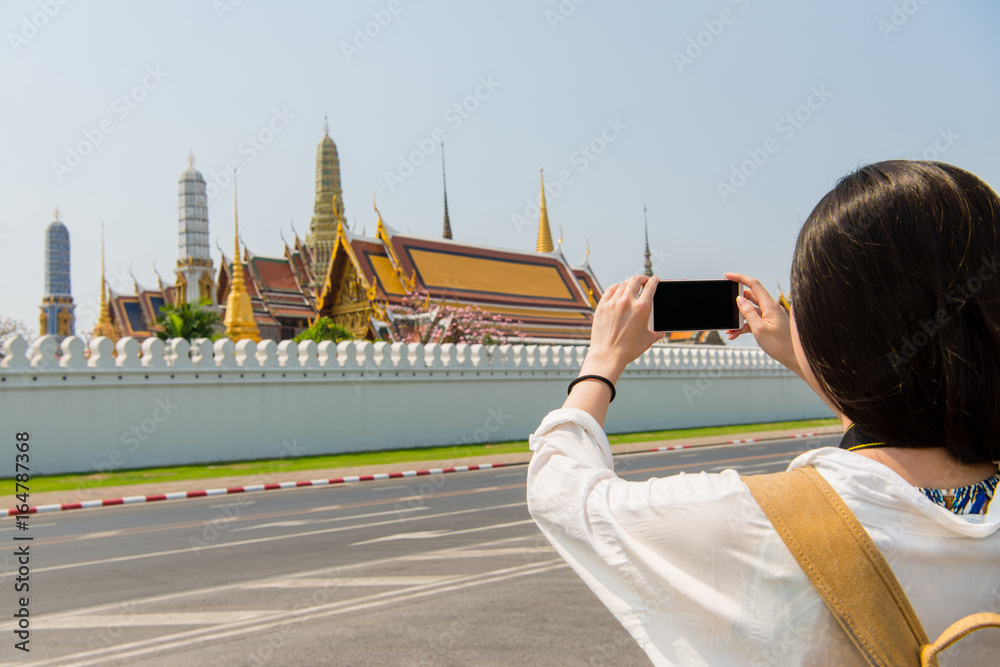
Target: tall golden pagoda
{"x":239,"y":319}
{"x":104,"y":327}
{"x":544,"y":233}
{"x":328,"y":206}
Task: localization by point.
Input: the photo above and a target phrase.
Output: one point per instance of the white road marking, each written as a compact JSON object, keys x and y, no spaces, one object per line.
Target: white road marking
{"x":188,"y":638}
{"x":428,"y":534}
{"x":347,"y":582}
{"x":482,"y":553}
{"x":31,"y":526}
{"x":334,"y":519}
{"x":418,"y":535}
{"x":275,"y":538}
{"x":215,"y":591}
{"x":95,"y":536}
{"x":129,"y":620}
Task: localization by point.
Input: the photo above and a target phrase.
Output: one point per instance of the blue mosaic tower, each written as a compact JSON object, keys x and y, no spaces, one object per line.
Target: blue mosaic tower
{"x":57,"y":317}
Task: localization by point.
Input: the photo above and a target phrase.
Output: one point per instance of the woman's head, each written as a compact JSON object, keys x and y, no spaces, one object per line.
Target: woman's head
{"x":896,"y":297}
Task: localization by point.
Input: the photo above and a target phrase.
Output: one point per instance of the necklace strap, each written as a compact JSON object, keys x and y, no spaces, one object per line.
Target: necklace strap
{"x":855,"y":440}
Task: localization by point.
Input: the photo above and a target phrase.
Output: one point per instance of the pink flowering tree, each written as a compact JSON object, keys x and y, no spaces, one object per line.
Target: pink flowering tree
{"x":421,"y":319}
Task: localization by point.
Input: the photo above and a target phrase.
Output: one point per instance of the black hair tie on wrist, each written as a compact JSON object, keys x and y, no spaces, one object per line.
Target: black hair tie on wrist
{"x":603,"y":379}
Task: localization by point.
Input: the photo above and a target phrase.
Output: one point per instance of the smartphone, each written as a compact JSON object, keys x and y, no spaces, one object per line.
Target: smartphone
{"x":695,"y":305}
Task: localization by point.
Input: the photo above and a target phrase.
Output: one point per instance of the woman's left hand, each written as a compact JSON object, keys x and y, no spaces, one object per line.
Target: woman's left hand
{"x":621,"y":327}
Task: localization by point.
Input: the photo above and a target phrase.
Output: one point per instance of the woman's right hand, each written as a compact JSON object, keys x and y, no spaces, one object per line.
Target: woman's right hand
{"x":766,"y":320}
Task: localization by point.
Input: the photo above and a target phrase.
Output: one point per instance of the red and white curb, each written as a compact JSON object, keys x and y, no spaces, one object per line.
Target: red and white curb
{"x":738,"y":442}
{"x":178,"y":495}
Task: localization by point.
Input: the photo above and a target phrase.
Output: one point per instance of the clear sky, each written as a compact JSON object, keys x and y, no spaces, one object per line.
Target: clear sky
{"x":729,"y":119}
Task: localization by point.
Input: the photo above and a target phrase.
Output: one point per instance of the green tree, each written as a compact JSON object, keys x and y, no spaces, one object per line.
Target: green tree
{"x":325,"y":329}
{"x":188,"y":320}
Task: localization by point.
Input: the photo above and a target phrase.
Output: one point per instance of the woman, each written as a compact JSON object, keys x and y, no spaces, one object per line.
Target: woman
{"x":896,"y":326}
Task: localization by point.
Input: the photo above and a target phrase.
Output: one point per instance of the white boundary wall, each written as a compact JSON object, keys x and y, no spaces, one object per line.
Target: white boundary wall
{"x":178,"y":403}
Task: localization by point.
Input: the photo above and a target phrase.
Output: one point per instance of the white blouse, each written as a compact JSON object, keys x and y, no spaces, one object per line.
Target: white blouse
{"x":694,"y":571}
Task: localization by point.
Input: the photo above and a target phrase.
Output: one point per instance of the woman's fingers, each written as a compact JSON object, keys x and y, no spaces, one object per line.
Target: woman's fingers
{"x":608,"y":292}
{"x":761,"y":296}
{"x":648,"y":289}
{"x":750,"y":314}
{"x":736,"y":333}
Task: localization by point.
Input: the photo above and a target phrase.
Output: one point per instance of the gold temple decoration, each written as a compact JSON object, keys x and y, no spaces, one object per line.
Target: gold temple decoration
{"x":239,"y":320}
{"x":544,"y":233}
{"x":104,"y":327}
{"x":328,"y":208}
{"x":381,"y":234}
{"x":783,"y":301}
{"x":645,"y":223}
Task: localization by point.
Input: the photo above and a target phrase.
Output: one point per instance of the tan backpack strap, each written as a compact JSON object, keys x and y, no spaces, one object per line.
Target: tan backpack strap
{"x":955,"y":631}
{"x":843,"y":564}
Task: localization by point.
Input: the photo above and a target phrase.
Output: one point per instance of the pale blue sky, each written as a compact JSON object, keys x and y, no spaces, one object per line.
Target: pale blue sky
{"x":928,"y":88}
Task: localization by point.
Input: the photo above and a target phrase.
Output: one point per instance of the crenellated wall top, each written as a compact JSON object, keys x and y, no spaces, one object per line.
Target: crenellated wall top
{"x":45,"y":356}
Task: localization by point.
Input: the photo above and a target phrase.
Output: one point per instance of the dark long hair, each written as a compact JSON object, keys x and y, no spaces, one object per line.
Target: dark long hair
{"x":896,"y":297}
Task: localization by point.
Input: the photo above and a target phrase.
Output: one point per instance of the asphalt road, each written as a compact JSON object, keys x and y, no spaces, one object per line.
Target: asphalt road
{"x":442,"y":570}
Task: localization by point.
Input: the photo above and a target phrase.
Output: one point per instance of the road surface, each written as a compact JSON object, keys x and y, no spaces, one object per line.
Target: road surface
{"x":440,"y":570}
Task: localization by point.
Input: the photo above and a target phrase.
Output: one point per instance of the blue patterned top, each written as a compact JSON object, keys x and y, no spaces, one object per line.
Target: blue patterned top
{"x":972,"y":499}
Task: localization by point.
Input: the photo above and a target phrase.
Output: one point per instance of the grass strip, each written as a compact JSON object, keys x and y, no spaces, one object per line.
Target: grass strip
{"x":41,"y":484}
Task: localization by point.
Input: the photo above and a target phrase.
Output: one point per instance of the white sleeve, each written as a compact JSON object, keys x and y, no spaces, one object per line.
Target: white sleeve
{"x":572,"y":463}
{"x":660,"y":548}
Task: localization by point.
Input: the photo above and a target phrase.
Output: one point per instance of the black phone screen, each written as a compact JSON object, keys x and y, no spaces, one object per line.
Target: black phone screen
{"x":695,"y":305}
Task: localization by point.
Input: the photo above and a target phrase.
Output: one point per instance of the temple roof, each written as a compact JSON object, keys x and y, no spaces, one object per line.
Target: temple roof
{"x":540,"y":290}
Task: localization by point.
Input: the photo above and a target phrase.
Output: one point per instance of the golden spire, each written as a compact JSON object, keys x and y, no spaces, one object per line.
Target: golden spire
{"x":783,"y":301}
{"x":379,"y":226}
{"x":239,"y":311}
{"x":544,"y":233}
{"x":57,"y":214}
{"x":447,"y":221}
{"x":104,"y":327}
{"x":645,"y":224}
{"x":340,"y":218}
